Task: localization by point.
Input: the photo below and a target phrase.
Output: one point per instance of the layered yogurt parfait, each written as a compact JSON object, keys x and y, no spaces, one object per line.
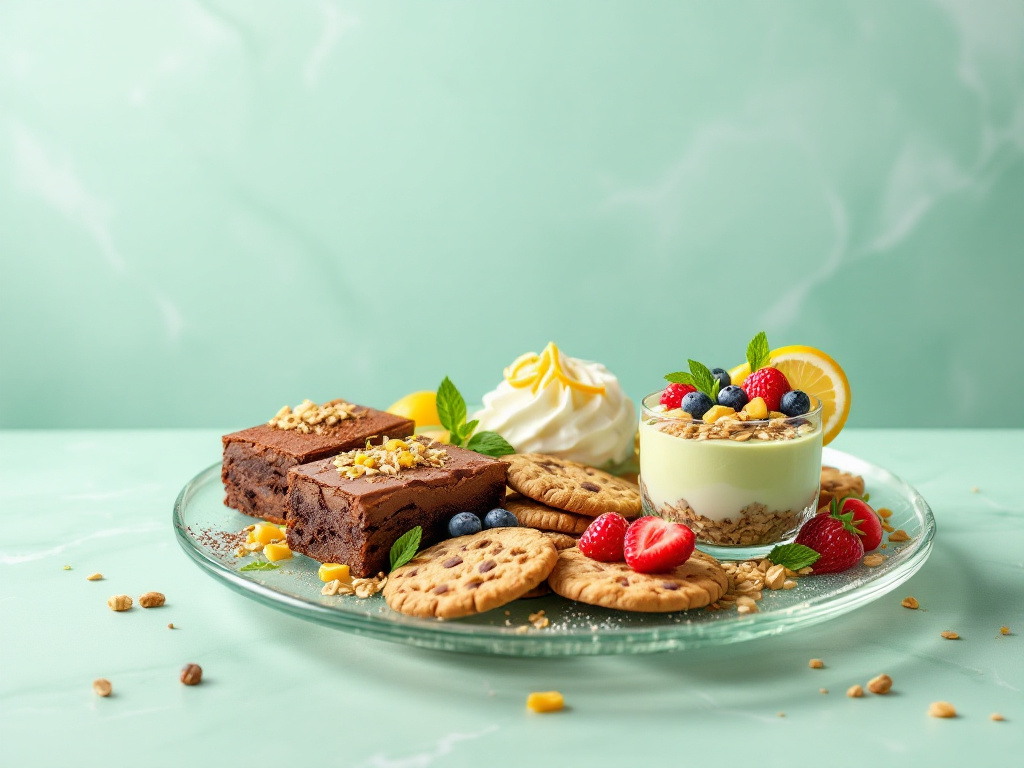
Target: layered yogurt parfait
{"x":739,"y":463}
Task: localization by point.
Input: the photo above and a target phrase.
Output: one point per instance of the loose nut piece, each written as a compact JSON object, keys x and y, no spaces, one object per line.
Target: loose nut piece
{"x":880,"y":685}
{"x":855,"y":692}
{"x":119,"y":602}
{"x":1004,"y":630}
{"x":775,"y":577}
{"x":899,"y":535}
{"x":170,"y":626}
{"x":94,"y":577}
{"x":949,"y":635}
{"x":910,"y":602}
{"x":152,"y":600}
{"x":941,"y":709}
{"x":102,"y":686}
{"x":816,"y":664}
{"x":823,"y":690}
{"x":996,"y":717}
{"x":873,"y":561}
{"x":191,"y":674}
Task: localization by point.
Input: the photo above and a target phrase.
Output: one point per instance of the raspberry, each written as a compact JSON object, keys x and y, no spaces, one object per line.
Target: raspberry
{"x":603,"y":538}
{"x":770,"y":384}
{"x":673,"y":395}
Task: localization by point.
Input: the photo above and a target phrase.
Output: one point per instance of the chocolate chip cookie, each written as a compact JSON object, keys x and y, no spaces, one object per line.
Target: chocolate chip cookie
{"x":571,"y":487}
{"x":694,"y":584}
{"x":533,"y":514}
{"x":471,"y":574}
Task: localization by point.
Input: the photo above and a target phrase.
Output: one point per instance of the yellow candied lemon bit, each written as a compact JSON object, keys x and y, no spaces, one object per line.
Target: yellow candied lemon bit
{"x":406,"y":459}
{"x":265,"y":533}
{"x":275,"y":552}
{"x":396,"y":445}
{"x":545,"y":701}
{"x":332,"y":571}
{"x":537,"y":371}
{"x":716,"y":412}
{"x":756,"y":408}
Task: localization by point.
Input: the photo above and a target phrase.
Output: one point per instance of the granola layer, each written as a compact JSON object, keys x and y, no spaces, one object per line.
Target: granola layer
{"x":754,"y":525}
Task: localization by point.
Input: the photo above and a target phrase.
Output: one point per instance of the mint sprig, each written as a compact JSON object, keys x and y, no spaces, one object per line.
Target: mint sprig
{"x":793,"y":556}
{"x":405,"y":547}
{"x":259,"y":565}
{"x":451,"y":409}
{"x":700,"y":376}
{"x":758,"y":353}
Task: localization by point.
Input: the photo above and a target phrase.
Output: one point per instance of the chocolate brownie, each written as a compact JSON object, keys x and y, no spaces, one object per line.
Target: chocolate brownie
{"x":257,"y":460}
{"x":335,"y":518}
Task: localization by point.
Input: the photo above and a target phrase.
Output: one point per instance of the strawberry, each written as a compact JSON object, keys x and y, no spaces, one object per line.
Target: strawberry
{"x":654,"y":545}
{"x":833,"y":536}
{"x":673,"y":395}
{"x":770,"y":384}
{"x":603,"y":539}
{"x":865,"y":519}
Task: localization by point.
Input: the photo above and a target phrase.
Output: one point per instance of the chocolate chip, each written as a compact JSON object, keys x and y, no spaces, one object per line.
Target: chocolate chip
{"x":413,"y":572}
{"x":590,"y":487}
{"x":440,"y":589}
{"x":473,"y":584}
{"x":669,"y":585}
{"x":623,"y":581}
{"x":451,"y":562}
{"x":487,"y":565}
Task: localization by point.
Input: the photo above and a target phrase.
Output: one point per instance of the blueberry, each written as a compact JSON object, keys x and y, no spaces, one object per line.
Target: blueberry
{"x":724,"y":380}
{"x":464,"y":524}
{"x":500,"y":518}
{"x":795,"y":403}
{"x":696,"y":404}
{"x":734,"y":397}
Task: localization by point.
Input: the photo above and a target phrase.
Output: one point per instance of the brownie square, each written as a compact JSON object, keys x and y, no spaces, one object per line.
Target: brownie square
{"x":335,"y":519}
{"x":257,"y":460}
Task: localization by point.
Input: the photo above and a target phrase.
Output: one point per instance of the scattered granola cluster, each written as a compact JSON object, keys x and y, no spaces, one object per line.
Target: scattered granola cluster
{"x":749,"y":578}
{"x":367,"y":587}
{"x":310,"y":417}
{"x":390,"y":458}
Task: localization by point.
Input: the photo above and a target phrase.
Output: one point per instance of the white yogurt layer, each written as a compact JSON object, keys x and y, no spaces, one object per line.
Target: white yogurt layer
{"x":719,"y":478}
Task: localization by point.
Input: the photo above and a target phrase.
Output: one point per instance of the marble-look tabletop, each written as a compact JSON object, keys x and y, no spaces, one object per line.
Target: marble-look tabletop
{"x":279,"y":691}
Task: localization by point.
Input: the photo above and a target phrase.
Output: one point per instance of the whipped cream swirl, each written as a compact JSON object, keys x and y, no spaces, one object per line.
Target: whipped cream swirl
{"x":562,"y":406}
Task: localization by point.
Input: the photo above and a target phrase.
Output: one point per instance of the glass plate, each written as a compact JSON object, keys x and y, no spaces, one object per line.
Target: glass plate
{"x":208,"y":531}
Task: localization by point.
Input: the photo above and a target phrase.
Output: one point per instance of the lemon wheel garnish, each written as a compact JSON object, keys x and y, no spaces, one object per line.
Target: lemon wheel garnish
{"x":421,"y":407}
{"x":537,"y":371}
{"x":817,"y":374}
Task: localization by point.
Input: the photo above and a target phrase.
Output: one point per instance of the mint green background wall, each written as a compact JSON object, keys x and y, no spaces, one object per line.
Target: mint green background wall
{"x":209,"y":209}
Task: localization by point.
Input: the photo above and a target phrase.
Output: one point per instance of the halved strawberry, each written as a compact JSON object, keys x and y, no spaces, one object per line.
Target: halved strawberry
{"x":603,"y":539}
{"x":654,"y":545}
{"x":865,"y":520}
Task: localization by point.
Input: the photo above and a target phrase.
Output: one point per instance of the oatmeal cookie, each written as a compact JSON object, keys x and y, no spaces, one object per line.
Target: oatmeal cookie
{"x":571,"y":487}
{"x":533,"y":514}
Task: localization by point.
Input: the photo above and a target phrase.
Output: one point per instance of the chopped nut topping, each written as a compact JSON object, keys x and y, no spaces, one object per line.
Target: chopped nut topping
{"x":119,"y":602}
{"x":739,"y":427}
{"x":390,"y":457}
{"x":816,"y":664}
{"x":941,"y":709}
{"x":910,"y":602}
{"x":880,"y":685}
{"x":873,"y":561}
{"x":362,"y":588}
{"x":855,"y":692}
{"x":310,"y":417}
{"x":899,"y":535}
{"x":950,"y":635}
{"x":539,"y":620}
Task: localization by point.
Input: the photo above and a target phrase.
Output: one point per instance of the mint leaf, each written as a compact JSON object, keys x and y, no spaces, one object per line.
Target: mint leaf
{"x":404,"y":548}
{"x":757,"y":352}
{"x":679,"y":377}
{"x":451,"y":409}
{"x":793,"y":556}
{"x":469,"y":428}
{"x":490,"y":444}
{"x":259,"y":565}
{"x":703,"y":380}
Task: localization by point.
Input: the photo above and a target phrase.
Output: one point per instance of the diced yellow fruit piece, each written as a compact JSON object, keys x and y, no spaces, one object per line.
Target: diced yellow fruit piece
{"x":756,"y":408}
{"x":265,"y":533}
{"x":332,"y":571}
{"x":394,"y":445}
{"x":406,"y":459}
{"x":275,"y":552}
{"x":359,"y":459}
{"x":716,"y":412}
{"x":370,"y":462}
{"x":546,"y":701}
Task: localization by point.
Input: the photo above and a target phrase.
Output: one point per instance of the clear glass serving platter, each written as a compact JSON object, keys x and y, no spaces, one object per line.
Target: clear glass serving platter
{"x":208,"y":531}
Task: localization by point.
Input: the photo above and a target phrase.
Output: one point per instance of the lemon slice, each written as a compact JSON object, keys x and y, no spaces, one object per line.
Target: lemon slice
{"x":817,"y":374}
{"x":421,"y":407}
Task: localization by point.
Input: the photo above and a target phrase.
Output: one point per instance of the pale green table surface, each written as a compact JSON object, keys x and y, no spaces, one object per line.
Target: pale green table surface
{"x":280,"y":691}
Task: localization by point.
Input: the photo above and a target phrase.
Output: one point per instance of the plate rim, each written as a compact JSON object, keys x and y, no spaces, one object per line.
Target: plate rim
{"x":504,"y":640}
